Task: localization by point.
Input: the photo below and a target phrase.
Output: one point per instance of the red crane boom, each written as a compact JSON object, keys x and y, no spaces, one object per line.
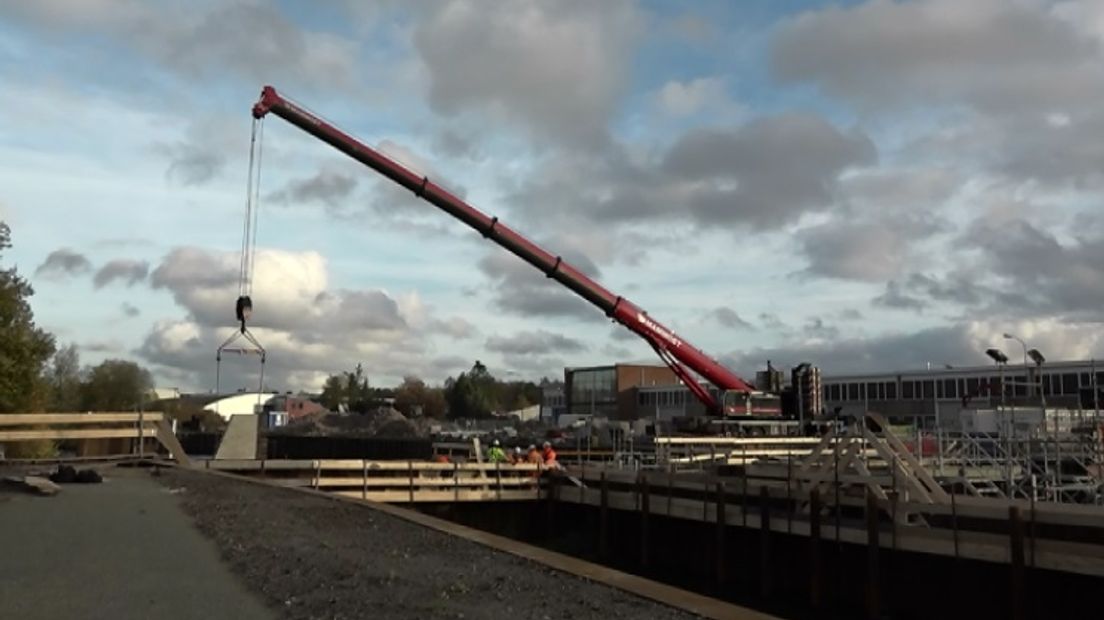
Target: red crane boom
{"x":673,"y":350}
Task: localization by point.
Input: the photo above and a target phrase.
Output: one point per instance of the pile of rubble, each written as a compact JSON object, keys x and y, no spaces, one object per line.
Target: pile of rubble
{"x":384,"y":422}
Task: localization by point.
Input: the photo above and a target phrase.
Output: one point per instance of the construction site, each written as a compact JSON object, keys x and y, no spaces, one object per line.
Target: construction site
{"x":758,"y":500}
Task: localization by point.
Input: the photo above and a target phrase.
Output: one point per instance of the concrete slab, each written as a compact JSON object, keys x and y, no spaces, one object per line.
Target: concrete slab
{"x":122,"y":550}
{"x":240,"y":439}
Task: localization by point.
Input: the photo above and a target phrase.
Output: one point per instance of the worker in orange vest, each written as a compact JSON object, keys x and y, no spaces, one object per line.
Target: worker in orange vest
{"x":549,"y":456}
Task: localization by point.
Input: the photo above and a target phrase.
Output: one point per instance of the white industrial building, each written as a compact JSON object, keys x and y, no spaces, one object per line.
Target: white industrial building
{"x":242,"y":403}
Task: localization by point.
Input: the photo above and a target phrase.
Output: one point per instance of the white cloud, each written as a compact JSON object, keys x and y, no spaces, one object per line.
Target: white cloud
{"x":685,"y":98}
{"x":557,"y":68}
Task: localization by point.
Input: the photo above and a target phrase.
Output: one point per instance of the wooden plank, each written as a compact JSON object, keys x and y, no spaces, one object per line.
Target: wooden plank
{"x":417,"y":481}
{"x":36,"y":419}
{"x":404,"y":497}
{"x":735,"y":441}
{"x":356,"y":464}
{"x":73,"y":433}
{"x":171,"y":443}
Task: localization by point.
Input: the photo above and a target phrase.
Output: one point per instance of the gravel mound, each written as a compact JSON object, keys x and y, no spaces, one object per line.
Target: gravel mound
{"x":315,"y":558}
{"x":384,"y":422}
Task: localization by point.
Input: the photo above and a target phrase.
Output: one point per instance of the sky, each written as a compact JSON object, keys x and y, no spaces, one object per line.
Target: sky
{"x":866,"y":186}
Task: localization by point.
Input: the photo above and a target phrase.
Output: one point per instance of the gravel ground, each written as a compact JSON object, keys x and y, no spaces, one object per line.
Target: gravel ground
{"x":315,"y":558}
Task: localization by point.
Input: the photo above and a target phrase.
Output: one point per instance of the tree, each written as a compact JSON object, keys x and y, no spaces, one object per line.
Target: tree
{"x":115,"y":385}
{"x":24,"y":348}
{"x":350,"y":389}
{"x":64,"y":380}
{"x":413,"y":395}
{"x":472,"y":394}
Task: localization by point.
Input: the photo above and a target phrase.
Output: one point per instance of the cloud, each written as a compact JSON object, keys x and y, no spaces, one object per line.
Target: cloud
{"x":1037,"y":271}
{"x":328,"y":187}
{"x":816,"y":329}
{"x":250,"y":40}
{"x":767,"y":172}
{"x":677,"y":98}
{"x":290,"y":292}
{"x":556,"y":69}
{"x":62,"y":263}
{"x":957,"y":344}
{"x":519,"y":288}
{"x":191,"y":163}
{"x":772,"y":322}
{"x":130,"y":311}
{"x":1008,"y":267}
{"x":455,"y":327}
{"x":127,"y":271}
{"x":1012,"y":87}
{"x":308,"y":329}
{"x":855,"y":251}
{"x":537,"y":342}
{"x":727,"y":317}
{"x":937,"y":49}
{"x":761,"y":175}
{"x":895,"y":297}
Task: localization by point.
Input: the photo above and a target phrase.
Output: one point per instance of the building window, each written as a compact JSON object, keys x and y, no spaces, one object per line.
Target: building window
{"x":852,"y":391}
{"x":950,"y":388}
{"x":906,"y":390}
{"x":834,"y":393}
{"x":1069,"y":383}
{"x":871,"y":391}
{"x":972,"y":386}
{"x":929,"y":390}
{"x":891,"y":391}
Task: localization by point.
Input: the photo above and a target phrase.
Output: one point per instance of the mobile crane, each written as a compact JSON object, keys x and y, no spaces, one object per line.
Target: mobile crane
{"x":732,"y":396}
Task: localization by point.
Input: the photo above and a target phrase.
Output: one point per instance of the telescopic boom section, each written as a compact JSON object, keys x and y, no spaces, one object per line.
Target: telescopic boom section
{"x":670,"y":347}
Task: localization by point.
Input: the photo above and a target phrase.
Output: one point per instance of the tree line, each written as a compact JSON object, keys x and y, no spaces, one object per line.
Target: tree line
{"x":474,"y":393}
{"x":36,"y":375}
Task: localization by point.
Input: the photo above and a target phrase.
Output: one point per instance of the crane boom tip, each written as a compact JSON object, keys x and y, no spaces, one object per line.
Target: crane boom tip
{"x":269,"y":98}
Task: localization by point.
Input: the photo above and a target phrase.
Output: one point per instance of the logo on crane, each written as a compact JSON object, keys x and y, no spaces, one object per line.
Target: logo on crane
{"x":659,"y":330}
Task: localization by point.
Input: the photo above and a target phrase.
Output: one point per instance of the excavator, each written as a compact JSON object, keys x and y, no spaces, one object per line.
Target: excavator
{"x":728,"y":396}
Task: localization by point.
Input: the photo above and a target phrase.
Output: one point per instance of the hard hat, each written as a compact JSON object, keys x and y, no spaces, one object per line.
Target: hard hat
{"x":495,"y":442}
{"x":532,"y":447}
{"x":547,"y":444}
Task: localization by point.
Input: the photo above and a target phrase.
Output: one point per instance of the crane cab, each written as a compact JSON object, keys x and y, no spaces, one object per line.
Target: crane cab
{"x":751,"y":404}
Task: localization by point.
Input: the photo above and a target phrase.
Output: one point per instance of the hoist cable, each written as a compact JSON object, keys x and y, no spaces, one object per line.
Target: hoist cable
{"x":243,"y":259}
{"x":246,"y":262}
{"x":256,"y":210}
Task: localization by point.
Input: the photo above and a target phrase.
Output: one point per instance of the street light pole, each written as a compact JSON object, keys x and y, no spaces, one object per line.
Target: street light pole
{"x":1027,"y":370}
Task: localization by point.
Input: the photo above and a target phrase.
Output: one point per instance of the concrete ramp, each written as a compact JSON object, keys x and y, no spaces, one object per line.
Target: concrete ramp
{"x":240,"y":439}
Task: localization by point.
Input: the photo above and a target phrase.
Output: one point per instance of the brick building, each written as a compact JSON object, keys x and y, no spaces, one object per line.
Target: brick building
{"x":610,"y":391}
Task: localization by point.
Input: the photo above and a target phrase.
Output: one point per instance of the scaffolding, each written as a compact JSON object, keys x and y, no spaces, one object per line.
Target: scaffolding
{"x":1057,"y":459}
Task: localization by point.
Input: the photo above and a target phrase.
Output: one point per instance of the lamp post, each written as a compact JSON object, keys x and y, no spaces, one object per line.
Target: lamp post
{"x":1001,"y":360}
{"x":1038,"y":358}
{"x":1027,"y":389}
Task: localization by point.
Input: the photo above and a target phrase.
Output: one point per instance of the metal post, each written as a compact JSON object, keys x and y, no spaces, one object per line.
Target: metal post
{"x":873,"y":605}
{"x":603,"y":523}
{"x":764,"y":542}
{"x":1015,"y":528}
{"x":643,"y":484}
{"x":814,"y":550}
{"x":722,"y":525}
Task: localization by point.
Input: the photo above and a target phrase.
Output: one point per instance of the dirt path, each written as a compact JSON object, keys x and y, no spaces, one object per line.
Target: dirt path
{"x":316,"y":558}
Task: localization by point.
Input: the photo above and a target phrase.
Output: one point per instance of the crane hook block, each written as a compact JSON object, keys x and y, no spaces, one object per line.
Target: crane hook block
{"x":244,"y":308}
